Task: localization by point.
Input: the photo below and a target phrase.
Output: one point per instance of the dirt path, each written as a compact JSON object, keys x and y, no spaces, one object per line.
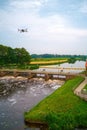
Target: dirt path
{"x":77,"y":91}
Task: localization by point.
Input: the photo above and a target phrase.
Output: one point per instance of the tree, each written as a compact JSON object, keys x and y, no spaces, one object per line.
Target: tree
{"x":9,"y":55}
{"x":22,"y":56}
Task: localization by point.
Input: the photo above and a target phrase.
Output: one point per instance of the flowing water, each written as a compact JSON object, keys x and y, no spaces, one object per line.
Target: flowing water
{"x":19,"y":95}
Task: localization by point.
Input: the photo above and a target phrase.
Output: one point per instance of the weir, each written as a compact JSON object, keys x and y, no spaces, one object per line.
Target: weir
{"x":63,"y":68}
{"x":38,"y":74}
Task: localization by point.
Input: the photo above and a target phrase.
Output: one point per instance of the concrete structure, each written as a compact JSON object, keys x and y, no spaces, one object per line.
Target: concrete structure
{"x":63,"y":68}
{"x":37,"y":74}
{"x":78,"y":90}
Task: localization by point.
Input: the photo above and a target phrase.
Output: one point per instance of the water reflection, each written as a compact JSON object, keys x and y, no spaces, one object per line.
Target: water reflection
{"x":77,"y":64}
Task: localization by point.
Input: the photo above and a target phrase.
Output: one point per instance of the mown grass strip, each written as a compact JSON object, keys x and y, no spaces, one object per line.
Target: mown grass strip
{"x":62,"y":110}
{"x":48,"y":59}
{"x":48,"y":62}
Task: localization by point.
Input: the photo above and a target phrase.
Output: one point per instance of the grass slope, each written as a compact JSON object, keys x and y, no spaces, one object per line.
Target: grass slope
{"x":84,"y":90}
{"x":62,"y":110}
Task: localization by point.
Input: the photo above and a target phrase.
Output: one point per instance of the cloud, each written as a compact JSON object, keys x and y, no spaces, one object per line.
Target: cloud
{"x":52,"y":33}
{"x":14,"y":18}
{"x":68,"y":31}
{"x":54,"y":27}
{"x":83,"y":7}
{"x":25,"y":4}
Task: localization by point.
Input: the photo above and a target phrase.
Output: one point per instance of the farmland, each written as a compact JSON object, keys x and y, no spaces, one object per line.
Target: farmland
{"x":45,"y":61}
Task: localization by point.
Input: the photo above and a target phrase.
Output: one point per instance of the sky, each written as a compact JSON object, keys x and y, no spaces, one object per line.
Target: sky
{"x":54,"y":26}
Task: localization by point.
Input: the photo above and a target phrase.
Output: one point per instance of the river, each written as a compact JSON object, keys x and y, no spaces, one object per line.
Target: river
{"x":77,"y":64}
{"x":18,"y":95}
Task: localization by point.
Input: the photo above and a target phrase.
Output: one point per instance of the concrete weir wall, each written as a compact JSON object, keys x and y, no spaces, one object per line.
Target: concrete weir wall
{"x":36,"y":74}
{"x":15,"y":73}
{"x":40,"y":125}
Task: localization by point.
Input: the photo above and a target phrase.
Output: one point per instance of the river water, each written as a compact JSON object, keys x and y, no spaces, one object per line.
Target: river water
{"x":18,"y":95}
{"x":77,"y":64}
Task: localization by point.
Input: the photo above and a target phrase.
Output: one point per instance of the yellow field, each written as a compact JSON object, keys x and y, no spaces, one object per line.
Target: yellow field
{"x":47,"y":62}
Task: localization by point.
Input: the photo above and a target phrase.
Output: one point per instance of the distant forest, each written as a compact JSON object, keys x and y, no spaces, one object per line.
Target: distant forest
{"x":81,"y":57}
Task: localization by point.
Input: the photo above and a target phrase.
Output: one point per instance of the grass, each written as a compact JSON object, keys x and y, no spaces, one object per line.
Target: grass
{"x":85,"y":87}
{"x":62,"y":110}
{"x":84,"y":90}
{"x":48,"y":61}
{"x":20,"y":66}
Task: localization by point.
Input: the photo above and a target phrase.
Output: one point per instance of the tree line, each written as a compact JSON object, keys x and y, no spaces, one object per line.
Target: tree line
{"x":9,"y":55}
{"x":21,"y":56}
{"x":82,"y":57}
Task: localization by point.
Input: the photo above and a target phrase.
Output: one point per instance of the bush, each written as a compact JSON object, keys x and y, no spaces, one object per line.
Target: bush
{"x":34,"y":67}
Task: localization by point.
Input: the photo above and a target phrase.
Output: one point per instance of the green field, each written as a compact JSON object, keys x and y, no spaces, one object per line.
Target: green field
{"x":84,"y":90}
{"x":47,"y":61}
{"x":62,"y":110}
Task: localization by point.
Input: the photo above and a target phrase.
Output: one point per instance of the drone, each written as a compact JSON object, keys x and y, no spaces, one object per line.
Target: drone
{"x":23,"y":30}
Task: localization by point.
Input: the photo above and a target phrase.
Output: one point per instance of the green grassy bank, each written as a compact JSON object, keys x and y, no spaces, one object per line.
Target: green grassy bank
{"x":84,"y":90}
{"x":62,"y":110}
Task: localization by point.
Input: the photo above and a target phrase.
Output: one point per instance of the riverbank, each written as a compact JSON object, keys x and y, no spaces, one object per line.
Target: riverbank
{"x":62,"y":110}
{"x":79,"y":90}
{"x":19,"y":95}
